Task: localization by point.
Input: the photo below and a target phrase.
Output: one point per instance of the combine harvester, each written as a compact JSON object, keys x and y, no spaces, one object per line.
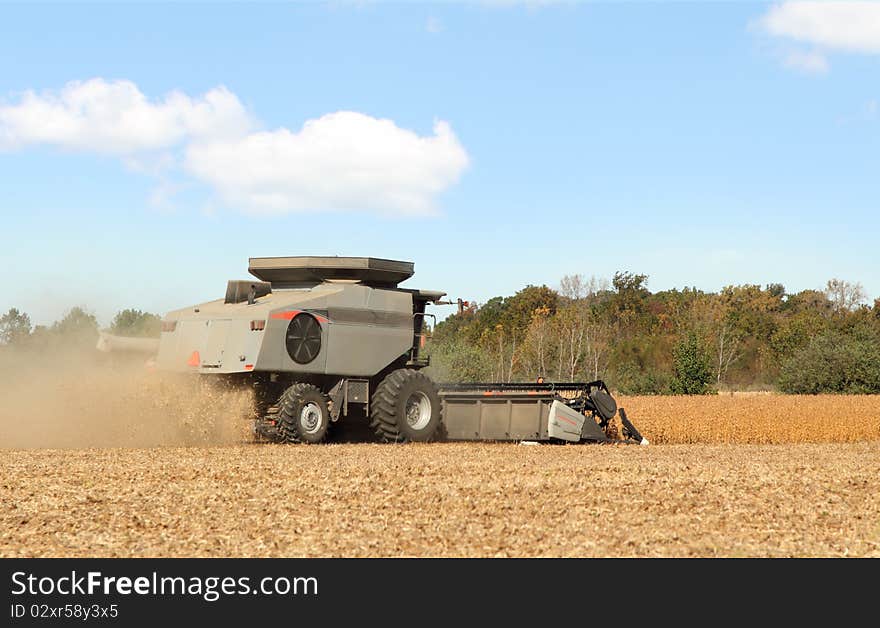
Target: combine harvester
{"x":320,"y":338}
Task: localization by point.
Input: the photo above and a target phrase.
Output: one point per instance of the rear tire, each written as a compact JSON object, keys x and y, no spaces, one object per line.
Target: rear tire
{"x":405,"y":407}
{"x":301,"y":415}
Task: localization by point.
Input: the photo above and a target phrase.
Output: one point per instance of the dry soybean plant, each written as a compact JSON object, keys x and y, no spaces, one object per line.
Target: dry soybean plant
{"x":756,"y":419}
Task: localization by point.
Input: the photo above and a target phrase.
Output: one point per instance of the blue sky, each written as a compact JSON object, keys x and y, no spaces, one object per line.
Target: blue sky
{"x":704,"y":144}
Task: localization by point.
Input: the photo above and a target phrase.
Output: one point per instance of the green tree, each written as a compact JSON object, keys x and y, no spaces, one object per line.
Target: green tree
{"x":835,"y":363}
{"x":519,"y":310}
{"x":810,"y":301}
{"x":751,"y":310}
{"x":131,"y":322}
{"x":459,"y":361}
{"x":15,"y":327}
{"x":538,"y":346}
{"x":714,"y":320}
{"x":629,"y":305}
{"x":490,"y":314}
{"x":796,"y":331}
{"x":776,"y":290}
{"x":77,"y":327}
{"x":631,"y":379}
{"x":641,"y":341}
{"x":632,"y":293}
{"x":691,"y":368}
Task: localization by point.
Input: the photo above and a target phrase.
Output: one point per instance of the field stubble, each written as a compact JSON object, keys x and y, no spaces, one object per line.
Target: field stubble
{"x":455,"y":499}
{"x":150,"y":466}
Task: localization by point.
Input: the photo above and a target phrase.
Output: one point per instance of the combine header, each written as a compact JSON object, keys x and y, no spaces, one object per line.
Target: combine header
{"x":571,"y":412}
{"x":321,"y":338}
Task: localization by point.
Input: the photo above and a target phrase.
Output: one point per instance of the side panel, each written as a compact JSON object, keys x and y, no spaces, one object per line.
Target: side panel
{"x":565,"y":423}
{"x":509,"y":417}
{"x":369,"y":329}
{"x":273,"y":351}
{"x":237,"y":347}
{"x":223,"y":345}
{"x":175,"y":348}
{"x":362,"y":330}
{"x":214,"y":349}
{"x":318,"y":364}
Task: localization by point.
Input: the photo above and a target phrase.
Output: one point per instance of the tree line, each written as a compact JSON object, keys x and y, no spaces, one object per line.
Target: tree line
{"x":745,"y":337}
{"x":77,"y":328}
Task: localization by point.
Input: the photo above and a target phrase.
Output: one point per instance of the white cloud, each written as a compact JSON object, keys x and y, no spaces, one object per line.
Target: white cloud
{"x":115,"y":117}
{"x":811,"y":62}
{"x":852,"y":27}
{"x":340,"y":161}
{"x":847,"y":26}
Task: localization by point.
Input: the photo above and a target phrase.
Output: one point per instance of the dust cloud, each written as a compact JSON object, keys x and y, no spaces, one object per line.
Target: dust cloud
{"x":84,"y":399}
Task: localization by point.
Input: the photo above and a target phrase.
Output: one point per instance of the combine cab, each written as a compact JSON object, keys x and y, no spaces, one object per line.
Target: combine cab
{"x":320,"y":338}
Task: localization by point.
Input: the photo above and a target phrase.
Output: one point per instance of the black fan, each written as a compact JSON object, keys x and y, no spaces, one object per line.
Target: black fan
{"x":303,"y":338}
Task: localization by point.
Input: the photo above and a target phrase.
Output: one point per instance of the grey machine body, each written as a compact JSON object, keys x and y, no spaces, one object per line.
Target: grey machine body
{"x":365,"y":322}
{"x":321,"y":338}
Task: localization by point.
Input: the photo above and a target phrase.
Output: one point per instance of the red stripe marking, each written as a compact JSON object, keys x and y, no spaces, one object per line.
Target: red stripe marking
{"x":565,"y":418}
{"x":289,"y":316}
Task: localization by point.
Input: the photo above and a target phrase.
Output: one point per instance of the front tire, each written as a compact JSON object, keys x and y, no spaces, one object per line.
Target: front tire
{"x":301,"y":415}
{"x":406,"y":407}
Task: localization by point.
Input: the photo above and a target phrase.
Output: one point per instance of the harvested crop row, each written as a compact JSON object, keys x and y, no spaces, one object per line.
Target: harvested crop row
{"x":465,"y":499}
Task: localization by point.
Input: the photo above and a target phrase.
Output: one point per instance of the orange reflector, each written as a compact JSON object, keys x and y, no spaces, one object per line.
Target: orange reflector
{"x":195,"y":359}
